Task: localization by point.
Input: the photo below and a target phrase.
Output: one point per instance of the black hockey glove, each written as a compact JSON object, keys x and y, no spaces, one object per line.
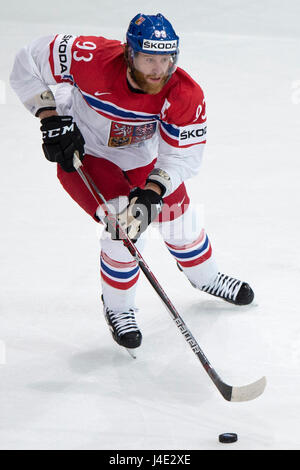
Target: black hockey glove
{"x":144,"y":206}
{"x":61,"y":137}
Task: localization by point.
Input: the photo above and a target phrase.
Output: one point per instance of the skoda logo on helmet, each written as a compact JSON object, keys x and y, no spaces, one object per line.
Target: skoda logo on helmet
{"x":166,"y":46}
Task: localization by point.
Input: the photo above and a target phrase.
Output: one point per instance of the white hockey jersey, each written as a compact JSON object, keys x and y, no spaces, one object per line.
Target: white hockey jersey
{"x":129,"y":129}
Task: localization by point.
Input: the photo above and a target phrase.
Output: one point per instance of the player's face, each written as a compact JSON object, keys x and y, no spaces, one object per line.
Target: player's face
{"x":151,"y":70}
{"x":154,"y":67}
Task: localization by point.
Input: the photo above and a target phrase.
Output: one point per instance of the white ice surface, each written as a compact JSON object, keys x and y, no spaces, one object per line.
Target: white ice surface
{"x":64,"y":383}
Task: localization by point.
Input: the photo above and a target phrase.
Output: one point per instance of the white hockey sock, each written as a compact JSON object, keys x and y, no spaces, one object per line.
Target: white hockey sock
{"x":196,"y":260}
{"x":119,"y":274}
{"x":188,"y":243}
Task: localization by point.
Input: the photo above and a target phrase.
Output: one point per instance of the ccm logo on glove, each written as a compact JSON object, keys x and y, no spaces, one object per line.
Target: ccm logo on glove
{"x":61,"y":138}
{"x":59,"y":131}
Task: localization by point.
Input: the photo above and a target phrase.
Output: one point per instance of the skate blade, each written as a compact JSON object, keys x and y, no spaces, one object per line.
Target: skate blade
{"x":131,"y":352}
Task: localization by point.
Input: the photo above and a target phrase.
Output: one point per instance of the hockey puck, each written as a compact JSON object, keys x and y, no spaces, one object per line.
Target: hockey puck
{"x":228,"y":437}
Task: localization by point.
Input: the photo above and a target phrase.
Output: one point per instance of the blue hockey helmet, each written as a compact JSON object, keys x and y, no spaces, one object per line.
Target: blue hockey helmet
{"x":152,"y":34}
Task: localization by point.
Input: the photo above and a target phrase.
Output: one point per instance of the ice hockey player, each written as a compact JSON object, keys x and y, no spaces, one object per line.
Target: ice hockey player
{"x":138,"y":123}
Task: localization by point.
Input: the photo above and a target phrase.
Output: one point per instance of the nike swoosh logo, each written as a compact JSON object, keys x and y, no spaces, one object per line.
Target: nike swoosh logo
{"x":181,"y":202}
{"x":98,"y":93}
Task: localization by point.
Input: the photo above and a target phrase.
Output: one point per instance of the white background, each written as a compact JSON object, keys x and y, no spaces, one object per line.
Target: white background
{"x":64,"y":383}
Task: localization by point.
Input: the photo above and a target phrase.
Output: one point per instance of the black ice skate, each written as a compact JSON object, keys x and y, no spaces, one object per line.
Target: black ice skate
{"x":123,"y":327}
{"x":230,"y":289}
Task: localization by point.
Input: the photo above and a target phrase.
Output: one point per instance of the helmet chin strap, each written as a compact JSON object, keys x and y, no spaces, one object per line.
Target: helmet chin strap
{"x":133,"y":80}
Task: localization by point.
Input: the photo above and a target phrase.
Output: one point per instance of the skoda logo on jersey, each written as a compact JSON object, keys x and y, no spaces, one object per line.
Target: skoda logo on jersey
{"x":193,"y":134}
{"x":62,"y":48}
{"x":165,"y":46}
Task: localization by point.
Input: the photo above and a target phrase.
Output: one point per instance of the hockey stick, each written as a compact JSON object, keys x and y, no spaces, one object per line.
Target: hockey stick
{"x":230,"y":393}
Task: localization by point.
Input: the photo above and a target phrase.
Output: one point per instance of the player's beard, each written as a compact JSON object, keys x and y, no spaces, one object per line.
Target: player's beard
{"x":141,"y":80}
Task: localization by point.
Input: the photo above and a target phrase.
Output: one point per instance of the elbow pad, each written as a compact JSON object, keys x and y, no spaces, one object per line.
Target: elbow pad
{"x":162,"y":179}
{"x":41,"y":102}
